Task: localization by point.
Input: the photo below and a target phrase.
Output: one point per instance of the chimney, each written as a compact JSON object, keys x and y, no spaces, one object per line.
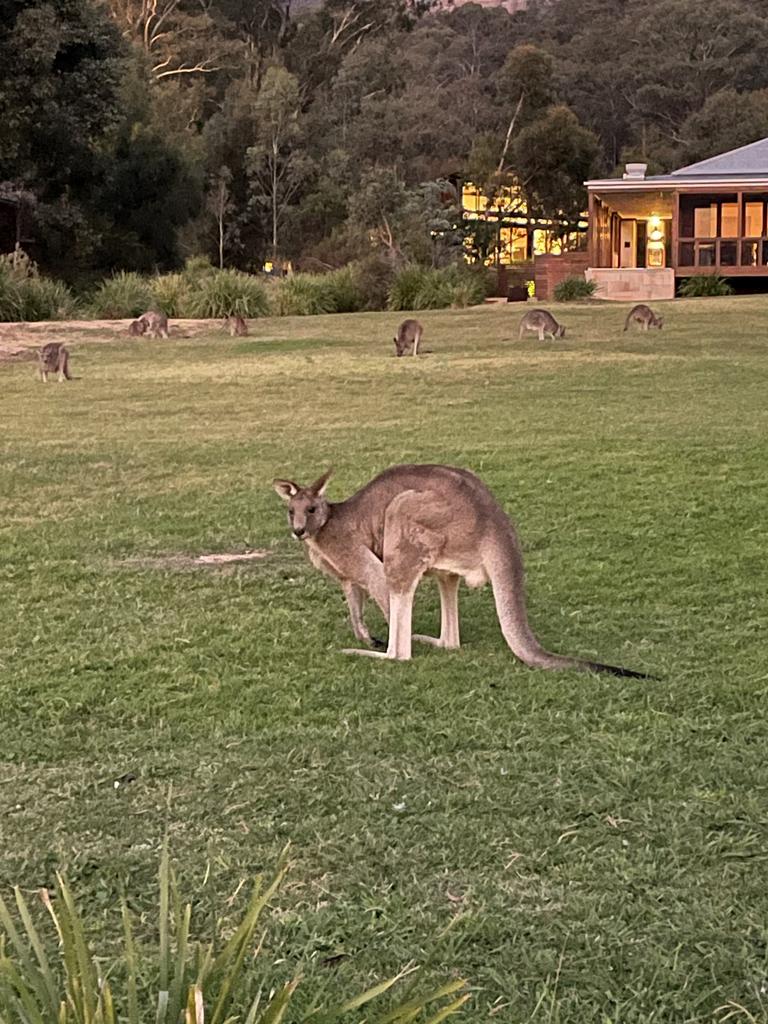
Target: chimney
{"x":636,"y":172}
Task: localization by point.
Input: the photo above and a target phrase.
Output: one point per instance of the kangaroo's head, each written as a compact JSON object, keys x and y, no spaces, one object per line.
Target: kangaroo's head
{"x":308,"y":509}
{"x":399,"y":348}
{"x":560,"y":331}
{"x":658,"y":322}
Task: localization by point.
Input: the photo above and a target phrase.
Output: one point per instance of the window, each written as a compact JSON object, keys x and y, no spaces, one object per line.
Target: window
{"x":705,"y":221}
{"x":706,"y":254}
{"x":686,"y":254}
{"x":753,"y":219}
{"x":728,"y":251}
{"x":750,"y":253}
{"x":729,"y":223}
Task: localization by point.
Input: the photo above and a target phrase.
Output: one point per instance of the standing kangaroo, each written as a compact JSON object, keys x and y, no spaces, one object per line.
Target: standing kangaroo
{"x":53,"y":358}
{"x":409,"y":334}
{"x":236,"y":326}
{"x":643,"y":315}
{"x":415,"y":520}
{"x":156,"y":324}
{"x":542,"y":322}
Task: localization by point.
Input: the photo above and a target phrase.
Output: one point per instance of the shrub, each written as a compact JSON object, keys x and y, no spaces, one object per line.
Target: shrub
{"x":302,"y":295}
{"x":705,"y":286}
{"x":171,"y":294}
{"x":10,"y":297}
{"x":416,"y":287}
{"x":344,"y":290}
{"x":374,"y":276}
{"x":42,"y":298}
{"x":572,"y":289}
{"x":124,"y":295}
{"x":171,"y":977}
{"x":227,"y":293}
{"x":25,"y":295}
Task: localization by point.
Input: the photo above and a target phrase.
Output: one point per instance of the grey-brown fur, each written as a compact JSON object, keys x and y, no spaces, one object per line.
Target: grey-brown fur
{"x":156,"y":324}
{"x":543,"y":323}
{"x":412,"y":521}
{"x":408,"y":336}
{"x":236,"y":326}
{"x":643,"y":315}
{"x":137,"y":328}
{"x":53,"y":358}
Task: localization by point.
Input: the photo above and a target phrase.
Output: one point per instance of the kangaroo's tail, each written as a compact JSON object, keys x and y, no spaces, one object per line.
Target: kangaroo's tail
{"x":505,"y":568}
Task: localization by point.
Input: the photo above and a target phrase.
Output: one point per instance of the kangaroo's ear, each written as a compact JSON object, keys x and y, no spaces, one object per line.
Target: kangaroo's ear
{"x":318,"y":487}
{"x":286,"y":488}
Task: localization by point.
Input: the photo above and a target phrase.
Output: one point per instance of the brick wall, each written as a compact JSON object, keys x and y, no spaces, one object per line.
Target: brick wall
{"x":549,"y":271}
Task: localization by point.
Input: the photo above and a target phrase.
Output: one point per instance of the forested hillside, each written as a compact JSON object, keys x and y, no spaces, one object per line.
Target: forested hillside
{"x":139,"y":132}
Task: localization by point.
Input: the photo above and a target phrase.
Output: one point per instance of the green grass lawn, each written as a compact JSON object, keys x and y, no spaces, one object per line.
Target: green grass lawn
{"x":605,"y":841}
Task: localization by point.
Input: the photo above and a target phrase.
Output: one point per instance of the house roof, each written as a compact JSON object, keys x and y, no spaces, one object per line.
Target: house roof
{"x":747,"y":165}
{"x":750,"y":160}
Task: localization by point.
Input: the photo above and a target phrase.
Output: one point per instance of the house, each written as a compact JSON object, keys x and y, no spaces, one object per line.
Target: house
{"x":513,"y":232}
{"x":647,"y":232}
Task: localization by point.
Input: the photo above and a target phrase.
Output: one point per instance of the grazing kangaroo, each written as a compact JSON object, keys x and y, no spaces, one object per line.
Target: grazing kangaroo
{"x":643,"y":315}
{"x":541,"y":321}
{"x":415,"y":520}
{"x":236,"y":326}
{"x":156,"y":324}
{"x":408,"y":335}
{"x":53,"y":358}
{"x":136,"y":328}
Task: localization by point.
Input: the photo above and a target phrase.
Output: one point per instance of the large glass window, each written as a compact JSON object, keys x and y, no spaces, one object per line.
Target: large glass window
{"x":728,"y":251}
{"x":706,"y":254}
{"x":705,"y":221}
{"x":750,"y":253}
{"x":686,"y":254}
{"x":729,"y":220}
{"x":753,"y":219}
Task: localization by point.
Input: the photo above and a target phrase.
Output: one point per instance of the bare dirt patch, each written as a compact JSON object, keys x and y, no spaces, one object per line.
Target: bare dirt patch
{"x":205,"y":561}
{"x":19,"y":340}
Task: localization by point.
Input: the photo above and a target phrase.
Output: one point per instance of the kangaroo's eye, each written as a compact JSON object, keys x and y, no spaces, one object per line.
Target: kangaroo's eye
{"x":311,"y":509}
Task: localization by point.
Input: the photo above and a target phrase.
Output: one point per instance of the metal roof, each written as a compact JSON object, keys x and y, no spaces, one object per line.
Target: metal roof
{"x":747,"y":165}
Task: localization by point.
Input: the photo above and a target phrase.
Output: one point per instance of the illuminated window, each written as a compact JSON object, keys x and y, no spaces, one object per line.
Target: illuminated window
{"x":729,"y":221}
{"x":753,"y":220}
{"x":705,"y":221}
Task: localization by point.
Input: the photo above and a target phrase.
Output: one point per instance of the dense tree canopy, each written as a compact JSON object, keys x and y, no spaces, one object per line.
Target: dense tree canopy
{"x":148,"y":130}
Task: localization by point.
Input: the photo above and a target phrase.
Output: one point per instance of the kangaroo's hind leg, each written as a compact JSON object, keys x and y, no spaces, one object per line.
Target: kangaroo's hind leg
{"x":448,"y":584}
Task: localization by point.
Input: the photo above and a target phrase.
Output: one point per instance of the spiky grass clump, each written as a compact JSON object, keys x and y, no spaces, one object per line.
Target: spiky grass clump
{"x":344,"y":289}
{"x":121,"y":296}
{"x":572,"y":289}
{"x":702,"y":286}
{"x":301,"y":295}
{"x":416,"y":287}
{"x":26,"y":295}
{"x":227,"y":293}
{"x":178,"y":979}
{"x":171,"y":294}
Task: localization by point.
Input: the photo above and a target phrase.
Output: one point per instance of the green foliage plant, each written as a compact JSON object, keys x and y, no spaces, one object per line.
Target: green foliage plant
{"x":173,"y":978}
{"x":572,"y":289}
{"x":123,"y":295}
{"x":705,"y":286}
{"x":25,"y":295}
{"x":228,"y":293}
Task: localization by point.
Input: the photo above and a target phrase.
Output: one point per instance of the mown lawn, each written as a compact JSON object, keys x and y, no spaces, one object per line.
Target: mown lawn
{"x":605,"y":841}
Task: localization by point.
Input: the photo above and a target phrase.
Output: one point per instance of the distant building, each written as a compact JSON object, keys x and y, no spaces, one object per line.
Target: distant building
{"x":711,"y":217}
{"x":515,"y":234}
